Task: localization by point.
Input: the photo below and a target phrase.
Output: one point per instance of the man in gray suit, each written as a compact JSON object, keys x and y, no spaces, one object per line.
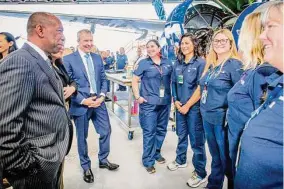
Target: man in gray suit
{"x":36,"y":132}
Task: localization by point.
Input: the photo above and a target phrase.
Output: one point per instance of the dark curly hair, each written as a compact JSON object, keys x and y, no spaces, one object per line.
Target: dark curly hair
{"x":195,"y":42}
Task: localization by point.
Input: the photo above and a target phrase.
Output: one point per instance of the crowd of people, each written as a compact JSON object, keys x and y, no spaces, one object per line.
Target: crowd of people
{"x":232,"y":98}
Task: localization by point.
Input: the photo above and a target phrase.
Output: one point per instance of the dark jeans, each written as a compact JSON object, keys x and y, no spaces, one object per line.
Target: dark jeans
{"x":216,"y":136}
{"x":154,"y":121}
{"x":190,"y":125}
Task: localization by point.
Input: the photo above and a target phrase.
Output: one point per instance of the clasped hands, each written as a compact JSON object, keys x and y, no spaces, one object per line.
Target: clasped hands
{"x":93,"y":102}
{"x":183,"y":109}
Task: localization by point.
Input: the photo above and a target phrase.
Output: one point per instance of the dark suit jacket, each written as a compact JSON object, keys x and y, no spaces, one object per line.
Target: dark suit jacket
{"x":76,"y":70}
{"x":64,"y":77}
{"x":36,"y":132}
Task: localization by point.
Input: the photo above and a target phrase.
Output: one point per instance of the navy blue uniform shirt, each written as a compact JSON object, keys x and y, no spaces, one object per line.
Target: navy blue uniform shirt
{"x":109,"y":61}
{"x":267,"y":127}
{"x":121,"y":60}
{"x":151,"y":80}
{"x":214,"y":110}
{"x":191,"y":73}
{"x":247,"y":94}
{"x":262,"y":143}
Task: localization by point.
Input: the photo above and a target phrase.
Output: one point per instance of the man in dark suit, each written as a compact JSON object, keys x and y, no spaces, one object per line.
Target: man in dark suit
{"x":36,"y":132}
{"x":87,"y":70}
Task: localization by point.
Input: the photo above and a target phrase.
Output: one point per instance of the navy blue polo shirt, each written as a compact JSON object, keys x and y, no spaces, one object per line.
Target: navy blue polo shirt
{"x":267,"y":126}
{"x":109,"y":61}
{"x":262,"y":142}
{"x":247,"y":94}
{"x":151,"y":80}
{"x":191,"y":73}
{"x":121,"y":61}
{"x":214,"y":110}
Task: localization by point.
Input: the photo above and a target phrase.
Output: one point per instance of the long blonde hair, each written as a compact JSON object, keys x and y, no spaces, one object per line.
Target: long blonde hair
{"x":249,"y":42}
{"x":212,"y":57}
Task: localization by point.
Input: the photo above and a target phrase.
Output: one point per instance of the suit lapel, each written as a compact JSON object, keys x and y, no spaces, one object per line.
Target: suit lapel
{"x":81,"y":64}
{"x":53,"y":79}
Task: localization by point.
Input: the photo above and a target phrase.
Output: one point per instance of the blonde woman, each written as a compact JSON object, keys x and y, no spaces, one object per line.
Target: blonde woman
{"x":222,"y":71}
{"x":261,"y":153}
{"x":242,"y":98}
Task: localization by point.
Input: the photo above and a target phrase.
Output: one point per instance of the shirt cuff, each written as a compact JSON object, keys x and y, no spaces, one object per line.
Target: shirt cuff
{"x":82,"y":101}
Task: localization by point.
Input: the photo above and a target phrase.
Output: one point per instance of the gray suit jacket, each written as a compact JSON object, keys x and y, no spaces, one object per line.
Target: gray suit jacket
{"x":35,"y":129}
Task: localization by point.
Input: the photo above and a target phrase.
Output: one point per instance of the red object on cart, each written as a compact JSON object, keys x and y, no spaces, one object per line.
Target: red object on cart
{"x":115,"y":98}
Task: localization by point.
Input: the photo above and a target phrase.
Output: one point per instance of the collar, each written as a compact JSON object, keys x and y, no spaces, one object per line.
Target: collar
{"x":162,"y":61}
{"x":82,"y":54}
{"x":38,"y":50}
{"x":274,"y":79}
{"x":191,"y":61}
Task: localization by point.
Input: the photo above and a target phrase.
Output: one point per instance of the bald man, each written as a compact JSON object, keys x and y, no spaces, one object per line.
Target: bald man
{"x":36,"y":132}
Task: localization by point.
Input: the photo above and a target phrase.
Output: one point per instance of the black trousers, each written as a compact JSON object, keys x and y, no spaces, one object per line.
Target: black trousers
{"x":32,"y":182}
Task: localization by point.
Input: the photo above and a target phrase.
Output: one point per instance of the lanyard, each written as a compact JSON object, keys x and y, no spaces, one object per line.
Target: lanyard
{"x":159,"y":70}
{"x":210,"y":74}
{"x":274,"y":93}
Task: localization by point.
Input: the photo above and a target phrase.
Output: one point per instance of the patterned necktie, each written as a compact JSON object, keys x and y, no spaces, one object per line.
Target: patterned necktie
{"x":91,"y":72}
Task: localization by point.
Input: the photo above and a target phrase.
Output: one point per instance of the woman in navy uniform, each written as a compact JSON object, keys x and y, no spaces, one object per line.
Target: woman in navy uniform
{"x":186,"y":74}
{"x":247,"y":94}
{"x":261,"y":153}
{"x":155,"y":102}
{"x":222,"y":71}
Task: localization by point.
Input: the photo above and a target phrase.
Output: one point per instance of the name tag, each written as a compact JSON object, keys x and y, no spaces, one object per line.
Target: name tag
{"x":204,"y":96}
{"x":180,"y":79}
{"x":162,"y":91}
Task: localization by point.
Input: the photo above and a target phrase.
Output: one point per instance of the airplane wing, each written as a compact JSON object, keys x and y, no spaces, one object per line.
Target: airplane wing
{"x":139,"y":25}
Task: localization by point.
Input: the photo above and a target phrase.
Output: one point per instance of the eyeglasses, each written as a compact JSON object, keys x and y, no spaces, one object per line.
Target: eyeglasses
{"x":221,"y":41}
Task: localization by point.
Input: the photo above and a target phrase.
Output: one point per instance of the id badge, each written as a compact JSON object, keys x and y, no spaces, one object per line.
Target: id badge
{"x":162,"y":91}
{"x":180,"y":79}
{"x":204,"y":96}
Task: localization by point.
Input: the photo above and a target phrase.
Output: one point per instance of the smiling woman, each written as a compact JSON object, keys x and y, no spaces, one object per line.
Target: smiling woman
{"x":272,"y":36}
{"x":261,"y":152}
{"x":7,"y":44}
{"x":154,"y":98}
{"x":222,"y":72}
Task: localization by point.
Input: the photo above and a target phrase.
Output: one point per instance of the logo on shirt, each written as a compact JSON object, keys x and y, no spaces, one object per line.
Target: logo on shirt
{"x":189,"y":69}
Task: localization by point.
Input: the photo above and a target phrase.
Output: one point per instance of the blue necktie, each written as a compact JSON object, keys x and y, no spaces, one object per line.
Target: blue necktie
{"x":91,"y":72}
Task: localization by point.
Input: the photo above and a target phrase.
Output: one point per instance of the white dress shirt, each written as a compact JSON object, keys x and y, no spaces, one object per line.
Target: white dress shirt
{"x":39,"y":51}
{"x":82,"y":54}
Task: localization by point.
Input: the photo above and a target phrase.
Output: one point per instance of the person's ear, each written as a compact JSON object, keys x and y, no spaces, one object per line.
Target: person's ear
{"x":39,"y":29}
{"x":11,"y":43}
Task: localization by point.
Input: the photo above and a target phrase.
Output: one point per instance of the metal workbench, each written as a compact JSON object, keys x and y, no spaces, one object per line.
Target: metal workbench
{"x":120,"y":78}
